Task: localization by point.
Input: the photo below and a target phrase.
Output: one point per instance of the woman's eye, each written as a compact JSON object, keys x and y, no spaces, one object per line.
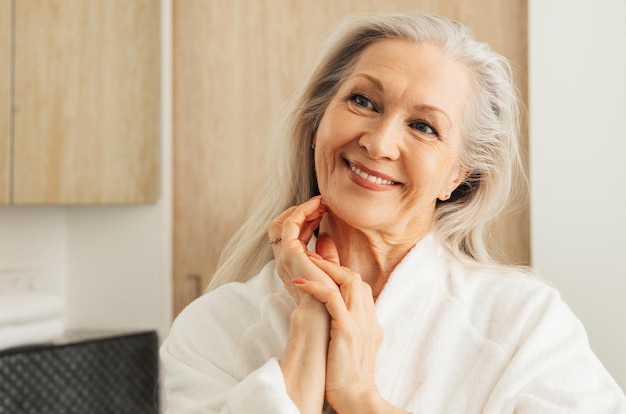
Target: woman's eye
{"x":363,"y":101}
{"x":424,"y":127}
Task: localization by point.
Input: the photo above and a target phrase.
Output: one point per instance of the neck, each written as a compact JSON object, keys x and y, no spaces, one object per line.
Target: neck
{"x":372,"y":254}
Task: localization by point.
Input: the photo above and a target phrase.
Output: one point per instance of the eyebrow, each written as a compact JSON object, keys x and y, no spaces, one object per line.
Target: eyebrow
{"x":420,"y":107}
{"x":430,"y":109}
{"x":377,"y":84}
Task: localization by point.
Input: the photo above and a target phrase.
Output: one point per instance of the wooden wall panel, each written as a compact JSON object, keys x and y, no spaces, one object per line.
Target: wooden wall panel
{"x":86,"y":123}
{"x":5,"y":97}
{"x":235,"y":64}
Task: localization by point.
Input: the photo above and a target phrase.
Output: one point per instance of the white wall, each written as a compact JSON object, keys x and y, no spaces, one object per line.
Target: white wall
{"x":33,"y":245}
{"x":111,"y":263}
{"x":577,"y":163}
{"x":118,"y":267}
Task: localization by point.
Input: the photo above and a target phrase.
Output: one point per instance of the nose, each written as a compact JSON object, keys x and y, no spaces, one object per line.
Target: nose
{"x":382,"y":140}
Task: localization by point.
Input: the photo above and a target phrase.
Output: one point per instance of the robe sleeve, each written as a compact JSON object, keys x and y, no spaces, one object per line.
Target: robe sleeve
{"x":198,"y":359}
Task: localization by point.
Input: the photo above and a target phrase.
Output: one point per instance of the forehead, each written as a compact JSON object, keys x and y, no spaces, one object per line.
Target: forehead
{"x":416,"y":71}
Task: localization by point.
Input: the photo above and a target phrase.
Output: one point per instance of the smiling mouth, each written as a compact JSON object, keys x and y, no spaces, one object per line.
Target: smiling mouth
{"x":369,"y":177}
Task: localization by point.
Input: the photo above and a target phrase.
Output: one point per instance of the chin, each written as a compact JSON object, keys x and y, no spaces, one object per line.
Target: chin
{"x":357,"y":215}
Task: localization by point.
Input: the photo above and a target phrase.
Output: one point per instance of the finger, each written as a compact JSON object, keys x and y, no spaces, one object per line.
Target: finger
{"x":288,"y":252}
{"x":308,"y":229}
{"x":321,"y":276}
{"x":303,"y":218}
{"x":275,"y":227}
{"x":329,"y":296}
{"x":326,"y":248}
{"x":339,"y":274}
{"x":355,"y":292}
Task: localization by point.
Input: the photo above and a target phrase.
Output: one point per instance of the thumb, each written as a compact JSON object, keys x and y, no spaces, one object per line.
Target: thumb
{"x":325,"y":247}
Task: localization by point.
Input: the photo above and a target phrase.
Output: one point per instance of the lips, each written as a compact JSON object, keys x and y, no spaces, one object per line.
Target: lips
{"x":369,"y":175}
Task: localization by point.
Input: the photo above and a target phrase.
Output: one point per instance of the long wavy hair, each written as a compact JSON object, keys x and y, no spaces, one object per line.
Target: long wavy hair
{"x":490,"y":151}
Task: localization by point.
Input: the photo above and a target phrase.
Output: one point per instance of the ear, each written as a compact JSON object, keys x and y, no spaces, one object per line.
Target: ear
{"x":457,"y":178}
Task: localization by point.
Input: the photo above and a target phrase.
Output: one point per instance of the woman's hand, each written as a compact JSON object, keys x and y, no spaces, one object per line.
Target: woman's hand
{"x":290,"y":234}
{"x":303,"y":363}
{"x":355,"y":337}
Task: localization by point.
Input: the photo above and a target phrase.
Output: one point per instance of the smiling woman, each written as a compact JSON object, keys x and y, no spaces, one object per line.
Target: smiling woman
{"x":365,"y":284}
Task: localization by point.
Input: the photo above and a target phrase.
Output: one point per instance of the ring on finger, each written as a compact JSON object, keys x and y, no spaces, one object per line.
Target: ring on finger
{"x":275,"y":240}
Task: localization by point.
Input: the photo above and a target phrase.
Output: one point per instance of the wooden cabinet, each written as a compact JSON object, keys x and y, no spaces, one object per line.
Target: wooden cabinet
{"x":5,"y":96}
{"x":85,"y":118}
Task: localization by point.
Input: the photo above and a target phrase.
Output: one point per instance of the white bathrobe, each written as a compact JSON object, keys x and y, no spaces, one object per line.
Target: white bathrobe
{"x":455,"y":342}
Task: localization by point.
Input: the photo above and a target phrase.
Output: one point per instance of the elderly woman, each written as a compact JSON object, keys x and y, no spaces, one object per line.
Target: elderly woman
{"x":382,"y":297}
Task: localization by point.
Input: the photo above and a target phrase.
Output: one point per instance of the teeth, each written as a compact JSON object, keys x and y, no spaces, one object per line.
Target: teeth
{"x":371,"y":178}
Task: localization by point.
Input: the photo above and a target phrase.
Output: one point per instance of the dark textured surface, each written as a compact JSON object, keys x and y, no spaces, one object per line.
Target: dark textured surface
{"x":116,"y":374}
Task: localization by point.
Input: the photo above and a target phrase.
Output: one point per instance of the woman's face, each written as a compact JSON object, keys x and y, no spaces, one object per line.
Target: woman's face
{"x":389,"y":141}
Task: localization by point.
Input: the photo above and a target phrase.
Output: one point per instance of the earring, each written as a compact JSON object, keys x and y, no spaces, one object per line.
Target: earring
{"x":313,"y":146}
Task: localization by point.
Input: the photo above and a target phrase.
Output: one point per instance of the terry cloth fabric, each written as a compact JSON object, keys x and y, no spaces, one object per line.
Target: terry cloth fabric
{"x":455,"y":341}
{"x":32,"y":333}
{"x":30,"y":318}
{"x":19,"y":307}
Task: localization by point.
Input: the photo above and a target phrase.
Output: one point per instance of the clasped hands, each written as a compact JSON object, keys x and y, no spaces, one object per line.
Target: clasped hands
{"x":334,"y":333}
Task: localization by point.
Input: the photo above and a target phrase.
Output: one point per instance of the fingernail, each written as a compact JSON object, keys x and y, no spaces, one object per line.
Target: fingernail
{"x":298,"y":281}
{"x":314,"y":255}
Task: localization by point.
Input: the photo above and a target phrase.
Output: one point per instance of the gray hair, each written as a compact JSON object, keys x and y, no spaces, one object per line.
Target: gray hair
{"x":490,"y":137}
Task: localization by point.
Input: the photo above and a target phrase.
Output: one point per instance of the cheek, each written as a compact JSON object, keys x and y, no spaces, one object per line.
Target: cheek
{"x":330,"y":137}
{"x":322,"y":162}
{"x":336,"y":127}
{"x":432,"y":169}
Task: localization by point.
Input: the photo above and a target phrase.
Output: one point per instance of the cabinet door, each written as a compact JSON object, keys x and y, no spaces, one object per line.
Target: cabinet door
{"x":5,"y":97}
{"x":86,"y":101}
